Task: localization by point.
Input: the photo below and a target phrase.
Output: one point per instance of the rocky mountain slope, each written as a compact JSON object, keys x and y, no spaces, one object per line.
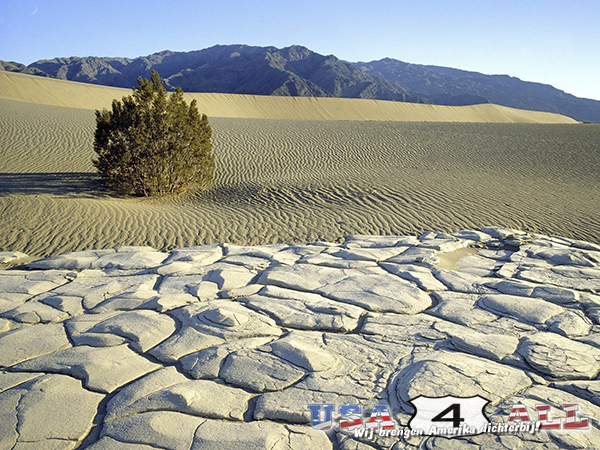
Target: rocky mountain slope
{"x":439,"y":83}
{"x":238,"y":69}
{"x":298,"y":71}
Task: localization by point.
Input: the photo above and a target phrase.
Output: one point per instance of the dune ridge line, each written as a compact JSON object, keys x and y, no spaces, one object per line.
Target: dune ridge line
{"x":71,"y":94}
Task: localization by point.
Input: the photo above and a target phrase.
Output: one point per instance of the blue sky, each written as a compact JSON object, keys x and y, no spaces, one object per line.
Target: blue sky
{"x":549,"y":41}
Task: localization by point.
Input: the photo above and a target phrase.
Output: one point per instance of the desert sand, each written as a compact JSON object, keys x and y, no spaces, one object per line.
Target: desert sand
{"x":300,"y":180}
{"x":225,"y":347}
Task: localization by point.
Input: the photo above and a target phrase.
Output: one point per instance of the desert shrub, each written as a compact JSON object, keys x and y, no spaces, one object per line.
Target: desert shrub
{"x":152,"y":143}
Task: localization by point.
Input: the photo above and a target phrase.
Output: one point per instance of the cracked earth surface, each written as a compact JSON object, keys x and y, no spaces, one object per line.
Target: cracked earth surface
{"x":224,"y":346}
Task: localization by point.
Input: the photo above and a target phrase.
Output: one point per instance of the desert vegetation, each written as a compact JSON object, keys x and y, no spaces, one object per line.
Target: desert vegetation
{"x":152,"y":143}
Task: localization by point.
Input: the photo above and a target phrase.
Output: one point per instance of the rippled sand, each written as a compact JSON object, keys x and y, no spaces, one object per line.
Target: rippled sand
{"x":300,"y":180}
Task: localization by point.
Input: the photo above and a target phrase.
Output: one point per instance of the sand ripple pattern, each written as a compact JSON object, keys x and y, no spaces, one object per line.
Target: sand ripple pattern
{"x":295,"y":180}
{"x":45,"y":139}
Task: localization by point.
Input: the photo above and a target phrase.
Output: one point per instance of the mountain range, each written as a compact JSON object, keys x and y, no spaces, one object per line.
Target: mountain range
{"x":298,"y":71}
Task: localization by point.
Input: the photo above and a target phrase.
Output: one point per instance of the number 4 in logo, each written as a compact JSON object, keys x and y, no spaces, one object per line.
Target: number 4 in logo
{"x":435,"y":413}
{"x":456,"y":419}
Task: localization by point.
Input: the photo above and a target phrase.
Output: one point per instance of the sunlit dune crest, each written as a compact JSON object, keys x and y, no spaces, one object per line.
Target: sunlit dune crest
{"x":54,"y":92}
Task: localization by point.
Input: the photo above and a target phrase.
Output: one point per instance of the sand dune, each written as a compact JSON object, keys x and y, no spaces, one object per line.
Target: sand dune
{"x":300,"y":180}
{"x":53,"y":92}
{"x":292,"y":180}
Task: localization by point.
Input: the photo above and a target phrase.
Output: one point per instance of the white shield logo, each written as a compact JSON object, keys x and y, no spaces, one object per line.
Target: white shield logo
{"x":449,"y":416}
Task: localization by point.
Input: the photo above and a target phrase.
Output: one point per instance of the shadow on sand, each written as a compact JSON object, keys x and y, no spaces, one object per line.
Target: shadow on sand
{"x":62,"y":184}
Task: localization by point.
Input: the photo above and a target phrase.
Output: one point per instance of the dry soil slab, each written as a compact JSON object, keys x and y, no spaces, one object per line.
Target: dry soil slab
{"x":225,"y":346}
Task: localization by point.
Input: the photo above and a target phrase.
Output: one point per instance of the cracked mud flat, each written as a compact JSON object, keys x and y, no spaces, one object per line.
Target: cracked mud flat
{"x":225,"y":346}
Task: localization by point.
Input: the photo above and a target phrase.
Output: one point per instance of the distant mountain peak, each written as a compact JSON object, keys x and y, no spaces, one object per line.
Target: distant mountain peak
{"x":163,"y":53}
{"x":296,"y":52}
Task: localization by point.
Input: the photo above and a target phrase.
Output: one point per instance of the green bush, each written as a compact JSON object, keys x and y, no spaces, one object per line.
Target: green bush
{"x":153,"y":143}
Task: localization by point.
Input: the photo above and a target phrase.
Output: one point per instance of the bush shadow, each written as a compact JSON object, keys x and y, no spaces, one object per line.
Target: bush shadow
{"x":61,"y":184}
